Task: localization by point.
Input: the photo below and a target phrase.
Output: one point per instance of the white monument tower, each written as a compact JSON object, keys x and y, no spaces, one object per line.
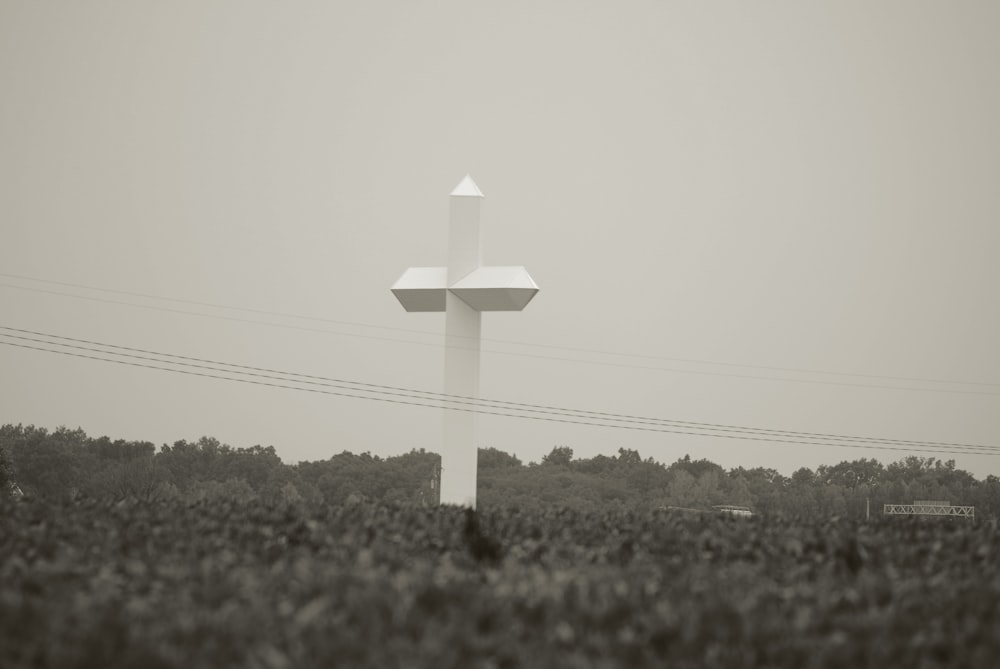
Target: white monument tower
{"x":463,"y":290}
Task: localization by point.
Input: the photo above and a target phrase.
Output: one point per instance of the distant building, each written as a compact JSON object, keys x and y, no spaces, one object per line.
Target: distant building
{"x":725,"y":509}
{"x":733,"y":510}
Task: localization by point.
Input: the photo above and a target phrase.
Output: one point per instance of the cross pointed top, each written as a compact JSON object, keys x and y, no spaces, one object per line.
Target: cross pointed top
{"x":467,"y":188}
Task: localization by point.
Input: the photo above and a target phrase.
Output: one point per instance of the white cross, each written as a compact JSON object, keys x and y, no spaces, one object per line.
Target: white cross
{"x":463,"y":290}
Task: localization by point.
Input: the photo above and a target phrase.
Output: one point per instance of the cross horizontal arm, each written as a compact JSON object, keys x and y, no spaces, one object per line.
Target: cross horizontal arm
{"x":505,"y":288}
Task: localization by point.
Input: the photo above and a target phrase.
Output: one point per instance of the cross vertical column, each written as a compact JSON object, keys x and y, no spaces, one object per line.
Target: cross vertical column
{"x":460,"y":456}
{"x":462,"y":329}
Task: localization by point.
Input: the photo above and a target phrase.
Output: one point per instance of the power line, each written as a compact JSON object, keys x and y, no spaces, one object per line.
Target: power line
{"x":529,"y":355}
{"x":494,"y":413}
{"x":280,"y":314}
{"x":151,"y":307}
{"x":553,"y":414}
{"x":521,"y":406}
{"x":213,"y":305}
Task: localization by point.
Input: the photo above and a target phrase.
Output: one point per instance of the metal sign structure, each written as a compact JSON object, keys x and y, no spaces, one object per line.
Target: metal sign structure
{"x":929,"y":508}
{"x":463,"y":290}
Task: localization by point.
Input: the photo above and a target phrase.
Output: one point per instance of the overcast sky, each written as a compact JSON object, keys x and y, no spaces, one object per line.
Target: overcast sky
{"x":777,"y":215}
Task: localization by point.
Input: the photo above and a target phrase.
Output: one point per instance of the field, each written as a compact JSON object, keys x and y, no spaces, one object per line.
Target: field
{"x":94,"y":584}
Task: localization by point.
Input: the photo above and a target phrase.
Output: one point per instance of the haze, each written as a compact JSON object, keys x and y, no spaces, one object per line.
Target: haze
{"x":780,"y":215}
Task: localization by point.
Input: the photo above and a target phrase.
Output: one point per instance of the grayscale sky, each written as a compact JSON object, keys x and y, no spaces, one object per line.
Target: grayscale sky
{"x":778,"y":215}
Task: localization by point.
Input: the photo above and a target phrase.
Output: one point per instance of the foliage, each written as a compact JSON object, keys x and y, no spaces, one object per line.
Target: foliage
{"x":6,"y":473}
{"x":852,"y":489}
{"x":68,"y":464}
{"x":180,"y":583}
{"x":490,"y":458}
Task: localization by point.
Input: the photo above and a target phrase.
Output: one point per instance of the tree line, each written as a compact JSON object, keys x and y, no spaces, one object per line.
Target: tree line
{"x":68,"y":463}
{"x":847,"y":489}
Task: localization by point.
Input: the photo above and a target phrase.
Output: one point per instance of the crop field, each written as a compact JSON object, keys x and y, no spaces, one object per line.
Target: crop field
{"x":96,"y":584}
